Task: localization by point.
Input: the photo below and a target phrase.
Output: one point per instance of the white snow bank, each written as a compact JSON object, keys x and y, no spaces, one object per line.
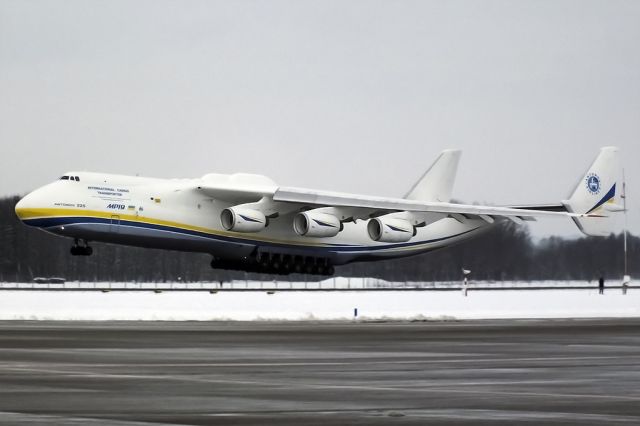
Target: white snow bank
{"x":317,"y":305}
{"x":342,"y":283}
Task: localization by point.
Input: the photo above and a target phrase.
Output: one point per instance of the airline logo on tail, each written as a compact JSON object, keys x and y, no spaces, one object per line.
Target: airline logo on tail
{"x":593,"y":183}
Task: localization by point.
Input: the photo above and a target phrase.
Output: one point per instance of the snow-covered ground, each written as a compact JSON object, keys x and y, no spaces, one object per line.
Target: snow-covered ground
{"x":317,"y":305}
{"x":329,"y":284}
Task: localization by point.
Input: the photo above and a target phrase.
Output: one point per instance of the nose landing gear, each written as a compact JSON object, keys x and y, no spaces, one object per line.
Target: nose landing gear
{"x":81,"y":248}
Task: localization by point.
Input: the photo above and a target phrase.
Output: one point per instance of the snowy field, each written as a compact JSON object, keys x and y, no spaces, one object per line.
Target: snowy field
{"x":260,"y":304}
{"x":340,"y":283}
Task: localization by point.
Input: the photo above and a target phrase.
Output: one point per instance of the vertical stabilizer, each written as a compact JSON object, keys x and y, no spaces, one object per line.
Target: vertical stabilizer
{"x":595,"y":193}
{"x":436,"y":184}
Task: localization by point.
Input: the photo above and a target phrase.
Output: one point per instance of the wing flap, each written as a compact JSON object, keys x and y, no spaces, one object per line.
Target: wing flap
{"x":541,"y":207}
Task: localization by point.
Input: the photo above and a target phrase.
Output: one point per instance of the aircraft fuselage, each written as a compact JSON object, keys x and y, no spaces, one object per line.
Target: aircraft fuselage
{"x":173,"y":214}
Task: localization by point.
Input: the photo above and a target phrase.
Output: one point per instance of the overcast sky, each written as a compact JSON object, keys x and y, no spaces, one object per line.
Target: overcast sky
{"x":351,"y":96}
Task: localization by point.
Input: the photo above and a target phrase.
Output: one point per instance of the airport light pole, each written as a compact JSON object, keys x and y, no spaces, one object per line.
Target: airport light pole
{"x":625,"y":279}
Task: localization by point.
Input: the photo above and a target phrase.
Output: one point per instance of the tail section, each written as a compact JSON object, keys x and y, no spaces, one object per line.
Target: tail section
{"x":596,"y":192}
{"x":437,"y":182}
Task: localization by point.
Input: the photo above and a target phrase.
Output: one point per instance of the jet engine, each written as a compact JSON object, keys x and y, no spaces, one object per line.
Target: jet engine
{"x":390,"y":230}
{"x":316,"y":224}
{"x":240,"y":219}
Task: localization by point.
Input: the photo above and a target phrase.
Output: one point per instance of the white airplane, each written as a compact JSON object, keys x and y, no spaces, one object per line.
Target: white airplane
{"x":246,"y":222}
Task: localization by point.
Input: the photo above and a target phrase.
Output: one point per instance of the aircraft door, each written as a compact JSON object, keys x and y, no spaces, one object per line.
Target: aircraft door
{"x":114,"y":227}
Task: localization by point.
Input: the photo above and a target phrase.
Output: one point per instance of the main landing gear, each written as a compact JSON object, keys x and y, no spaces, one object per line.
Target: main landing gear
{"x":271,"y":263}
{"x":286,"y":264}
{"x":81,"y":248}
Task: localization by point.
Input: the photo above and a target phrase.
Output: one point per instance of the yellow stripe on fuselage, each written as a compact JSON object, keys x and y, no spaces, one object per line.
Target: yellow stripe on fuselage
{"x":44,"y":213}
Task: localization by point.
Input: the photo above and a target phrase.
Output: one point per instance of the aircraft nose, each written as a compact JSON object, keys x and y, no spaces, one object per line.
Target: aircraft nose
{"x":21,"y":210}
{"x":28,"y":206}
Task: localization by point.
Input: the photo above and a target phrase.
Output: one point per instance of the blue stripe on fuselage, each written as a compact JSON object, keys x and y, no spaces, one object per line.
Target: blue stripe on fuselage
{"x":51,"y":222}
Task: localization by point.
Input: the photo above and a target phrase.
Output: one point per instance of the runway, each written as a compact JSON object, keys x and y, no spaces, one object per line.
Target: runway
{"x":583,"y":372}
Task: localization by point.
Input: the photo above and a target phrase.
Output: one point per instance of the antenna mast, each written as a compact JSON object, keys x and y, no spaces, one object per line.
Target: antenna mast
{"x":624,"y":207}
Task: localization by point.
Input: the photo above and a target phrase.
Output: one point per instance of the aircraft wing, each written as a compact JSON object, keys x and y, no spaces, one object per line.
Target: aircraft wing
{"x":236,"y":193}
{"x":236,"y":188}
{"x":312,"y":198}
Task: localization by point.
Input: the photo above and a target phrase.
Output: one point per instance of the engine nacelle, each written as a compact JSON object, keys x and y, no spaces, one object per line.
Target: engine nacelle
{"x":316,"y":224}
{"x":390,"y":230}
{"x":239,"y":219}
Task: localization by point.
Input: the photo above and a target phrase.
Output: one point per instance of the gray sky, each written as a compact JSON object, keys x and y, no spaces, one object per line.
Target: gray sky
{"x":357,"y":96}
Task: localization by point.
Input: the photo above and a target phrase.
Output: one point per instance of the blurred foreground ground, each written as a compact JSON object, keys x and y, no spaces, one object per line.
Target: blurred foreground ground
{"x":584,"y":372}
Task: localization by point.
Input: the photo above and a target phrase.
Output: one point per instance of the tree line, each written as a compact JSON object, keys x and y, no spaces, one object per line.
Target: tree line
{"x":504,"y":252}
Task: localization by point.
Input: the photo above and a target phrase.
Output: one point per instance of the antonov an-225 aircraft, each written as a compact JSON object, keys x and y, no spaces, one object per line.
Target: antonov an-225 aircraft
{"x":247,"y":222}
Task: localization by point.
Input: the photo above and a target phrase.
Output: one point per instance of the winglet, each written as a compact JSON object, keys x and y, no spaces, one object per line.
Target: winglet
{"x":436,"y":184}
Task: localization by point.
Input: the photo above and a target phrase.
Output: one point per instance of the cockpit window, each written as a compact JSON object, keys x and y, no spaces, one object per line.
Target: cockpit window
{"x":77,"y":179}
{"x":64,"y":178}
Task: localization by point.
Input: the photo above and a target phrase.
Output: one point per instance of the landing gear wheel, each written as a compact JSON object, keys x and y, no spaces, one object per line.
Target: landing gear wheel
{"x":81,"y":250}
{"x":328,"y":270}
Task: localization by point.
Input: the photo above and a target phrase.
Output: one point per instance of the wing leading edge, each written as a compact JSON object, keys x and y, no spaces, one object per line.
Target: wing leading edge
{"x":312,"y":198}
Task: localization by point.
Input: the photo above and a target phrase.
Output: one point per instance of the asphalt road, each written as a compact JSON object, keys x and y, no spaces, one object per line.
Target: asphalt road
{"x":451,"y":373}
